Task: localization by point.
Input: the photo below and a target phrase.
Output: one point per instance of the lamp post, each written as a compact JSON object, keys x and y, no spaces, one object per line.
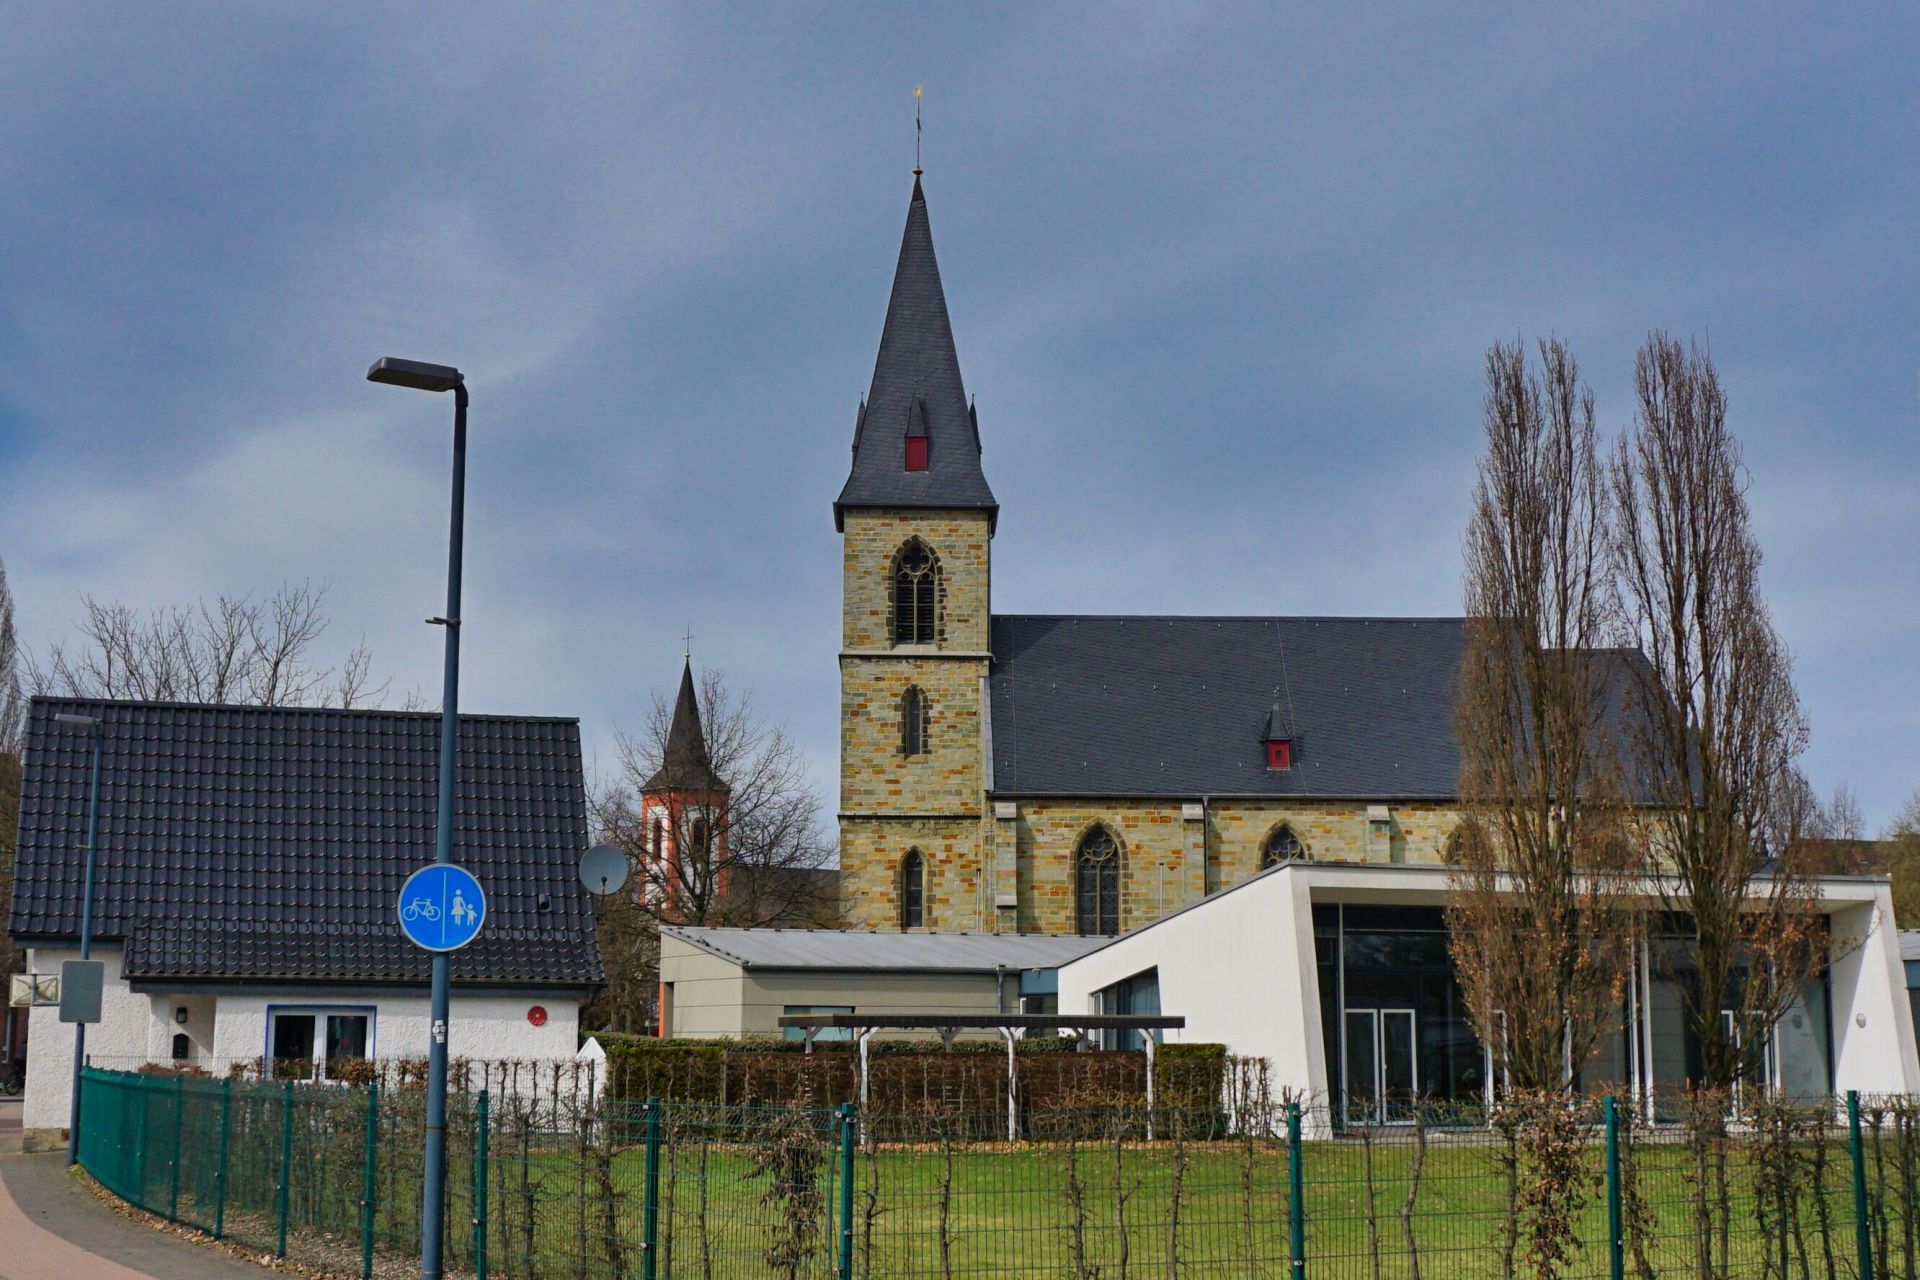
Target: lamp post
{"x":93,"y":727}
{"x":439,"y":377}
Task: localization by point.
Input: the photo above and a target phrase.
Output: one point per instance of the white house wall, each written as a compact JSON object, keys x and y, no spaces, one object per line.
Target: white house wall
{"x":121,"y":1037}
{"x":1873,"y":1039}
{"x":1238,"y":967}
{"x":479,"y":1026}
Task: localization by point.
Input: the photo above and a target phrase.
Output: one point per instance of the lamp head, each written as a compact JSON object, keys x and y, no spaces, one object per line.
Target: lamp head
{"x":414,"y":373}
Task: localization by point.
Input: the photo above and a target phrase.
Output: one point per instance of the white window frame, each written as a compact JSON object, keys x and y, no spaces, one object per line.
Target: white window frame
{"x":319,"y":1013}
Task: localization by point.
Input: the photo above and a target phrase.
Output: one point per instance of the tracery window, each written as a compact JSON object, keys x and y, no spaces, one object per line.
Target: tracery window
{"x":916,"y":594}
{"x":913,"y":722}
{"x":1281,"y":846}
{"x":1096,"y":889}
{"x":913,"y":890}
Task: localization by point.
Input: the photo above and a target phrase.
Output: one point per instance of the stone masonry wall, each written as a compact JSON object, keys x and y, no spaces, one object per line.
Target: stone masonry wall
{"x":871,"y":539}
{"x":871,"y":850}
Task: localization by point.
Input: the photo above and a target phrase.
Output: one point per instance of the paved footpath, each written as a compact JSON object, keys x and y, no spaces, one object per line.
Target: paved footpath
{"x":53,"y":1228}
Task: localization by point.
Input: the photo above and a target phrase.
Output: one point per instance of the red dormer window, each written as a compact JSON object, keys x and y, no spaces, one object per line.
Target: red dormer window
{"x":916,"y":453}
{"x":1279,"y":753}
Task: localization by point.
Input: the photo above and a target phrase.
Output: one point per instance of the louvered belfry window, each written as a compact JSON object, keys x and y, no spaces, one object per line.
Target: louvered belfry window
{"x":1097,"y":884}
{"x":916,"y":589}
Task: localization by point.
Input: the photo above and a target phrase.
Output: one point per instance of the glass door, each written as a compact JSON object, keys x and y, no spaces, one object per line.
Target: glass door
{"x":1381,"y":1075}
{"x":1361,"y":1049}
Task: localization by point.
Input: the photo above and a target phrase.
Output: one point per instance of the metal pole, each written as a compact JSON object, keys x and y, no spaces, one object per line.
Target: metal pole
{"x":86,"y":940}
{"x":650,"y":1214}
{"x":480,"y":1189}
{"x":433,"y":1190}
{"x":220,"y":1174}
{"x":1616,"y":1243}
{"x":1296,"y":1197}
{"x":369,"y":1180}
{"x":286,"y":1164}
{"x":1863,"y":1239}
{"x":846,"y":1191}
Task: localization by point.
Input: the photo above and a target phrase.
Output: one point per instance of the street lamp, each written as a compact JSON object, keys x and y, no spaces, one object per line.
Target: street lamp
{"x":439,"y":377}
{"x":92,"y":725}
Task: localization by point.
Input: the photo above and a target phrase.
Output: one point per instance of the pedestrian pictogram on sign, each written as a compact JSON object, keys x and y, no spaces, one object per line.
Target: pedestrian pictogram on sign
{"x":441,"y":907}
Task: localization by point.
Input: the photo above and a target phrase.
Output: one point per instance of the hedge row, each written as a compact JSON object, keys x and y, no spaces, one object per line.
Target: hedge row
{"x":904,"y":1075}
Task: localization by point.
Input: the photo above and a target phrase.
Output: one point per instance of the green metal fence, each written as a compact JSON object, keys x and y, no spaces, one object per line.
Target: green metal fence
{"x":561,"y":1184}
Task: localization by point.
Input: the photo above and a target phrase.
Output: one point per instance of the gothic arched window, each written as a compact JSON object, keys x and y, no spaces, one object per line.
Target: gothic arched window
{"x":913,"y":890}
{"x":1281,"y":846}
{"x":913,"y":722}
{"x":916,"y":594}
{"x":1096,"y":883}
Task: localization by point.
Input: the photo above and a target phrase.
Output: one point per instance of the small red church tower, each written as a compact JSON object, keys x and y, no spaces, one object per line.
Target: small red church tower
{"x":683,"y":807}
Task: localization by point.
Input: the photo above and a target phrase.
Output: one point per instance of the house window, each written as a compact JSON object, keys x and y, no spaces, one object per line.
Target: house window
{"x":1138,"y":996}
{"x":1281,"y":846}
{"x":913,"y":890}
{"x":1097,"y":884}
{"x":182,"y":1047}
{"x":913,"y":722}
{"x":315,"y":1043}
{"x":825,"y":1033}
{"x":916,"y":588}
{"x":1279,"y":753}
{"x":916,"y":453}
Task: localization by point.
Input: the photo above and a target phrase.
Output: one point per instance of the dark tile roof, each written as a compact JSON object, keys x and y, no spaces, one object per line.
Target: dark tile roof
{"x":269,"y":843}
{"x":1179,"y":706}
{"x":684,"y":763}
{"x":917,"y":387}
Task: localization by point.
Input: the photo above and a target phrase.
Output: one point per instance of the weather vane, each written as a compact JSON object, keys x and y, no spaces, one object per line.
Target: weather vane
{"x":916,"y":129}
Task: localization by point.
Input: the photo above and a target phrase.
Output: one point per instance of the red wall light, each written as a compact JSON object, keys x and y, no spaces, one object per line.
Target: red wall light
{"x":537,"y":1015}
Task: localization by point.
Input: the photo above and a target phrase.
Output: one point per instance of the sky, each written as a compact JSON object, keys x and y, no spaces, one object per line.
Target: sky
{"x":1222,"y":278}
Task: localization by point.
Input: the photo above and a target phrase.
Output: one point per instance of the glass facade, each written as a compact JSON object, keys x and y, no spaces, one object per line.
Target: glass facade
{"x":1395,"y":1026}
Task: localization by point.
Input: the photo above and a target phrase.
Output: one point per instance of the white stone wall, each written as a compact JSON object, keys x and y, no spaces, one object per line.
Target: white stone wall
{"x":121,"y":1037}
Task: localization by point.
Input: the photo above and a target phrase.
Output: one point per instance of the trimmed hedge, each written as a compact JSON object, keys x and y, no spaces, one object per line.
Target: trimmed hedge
{"x":906,"y":1076}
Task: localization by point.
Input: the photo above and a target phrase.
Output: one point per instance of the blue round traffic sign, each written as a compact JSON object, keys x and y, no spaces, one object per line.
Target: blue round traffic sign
{"x":441,"y":907}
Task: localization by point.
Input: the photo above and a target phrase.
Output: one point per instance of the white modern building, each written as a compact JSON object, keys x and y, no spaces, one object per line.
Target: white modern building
{"x":1340,"y":976}
{"x":248,"y":865}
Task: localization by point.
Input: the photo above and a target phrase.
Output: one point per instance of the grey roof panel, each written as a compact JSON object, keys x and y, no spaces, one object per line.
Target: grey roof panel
{"x":921,"y":952}
{"x":916,"y":386}
{"x":1100,"y":705}
{"x":256,"y":843}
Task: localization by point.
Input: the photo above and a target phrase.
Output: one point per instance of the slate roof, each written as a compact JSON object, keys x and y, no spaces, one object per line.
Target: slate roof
{"x":251,"y":843}
{"x":684,"y":763}
{"x":916,"y":952}
{"x":917,"y":388}
{"x":1180,"y":705}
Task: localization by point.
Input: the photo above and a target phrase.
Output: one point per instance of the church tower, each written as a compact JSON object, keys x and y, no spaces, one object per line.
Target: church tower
{"x":683,"y":812}
{"x":916,"y":520}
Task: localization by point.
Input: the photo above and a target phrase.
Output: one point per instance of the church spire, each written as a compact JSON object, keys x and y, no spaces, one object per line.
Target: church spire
{"x":917,"y":393}
{"x":684,"y":764}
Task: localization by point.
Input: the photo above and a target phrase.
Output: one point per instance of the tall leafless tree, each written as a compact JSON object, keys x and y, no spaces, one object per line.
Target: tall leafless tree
{"x":1543,"y":908}
{"x":231,"y":649}
{"x":1717,"y":726}
{"x":760,"y":858}
{"x":12,"y":718}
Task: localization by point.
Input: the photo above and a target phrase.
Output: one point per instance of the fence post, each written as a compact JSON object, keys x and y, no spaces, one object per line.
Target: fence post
{"x":650,"y":1219}
{"x":480,"y":1188}
{"x":369,"y":1180}
{"x":179,"y":1122}
{"x":220,"y":1173}
{"x":846,"y":1191}
{"x":1616,"y":1232}
{"x":1296,"y":1197}
{"x":1862,"y":1237}
{"x":286,"y":1165}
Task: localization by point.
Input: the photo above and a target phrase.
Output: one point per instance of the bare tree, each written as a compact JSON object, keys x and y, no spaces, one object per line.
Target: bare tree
{"x":12,"y":717}
{"x":1717,"y":726}
{"x":231,"y":649}
{"x":749,"y":852}
{"x":1840,"y":816}
{"x":1901,"y":841}
{"x":1543,"y":909}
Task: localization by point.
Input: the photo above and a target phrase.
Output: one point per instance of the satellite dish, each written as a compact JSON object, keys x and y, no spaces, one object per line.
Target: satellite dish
{"x":603,"y":868}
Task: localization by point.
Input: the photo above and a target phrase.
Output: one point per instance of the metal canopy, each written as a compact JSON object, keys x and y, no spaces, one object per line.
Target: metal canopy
{"x":984,"y":1022}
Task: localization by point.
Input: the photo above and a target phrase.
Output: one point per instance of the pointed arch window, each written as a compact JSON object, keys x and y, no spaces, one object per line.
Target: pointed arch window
{"x":1096,"y":883}
{"x":1281,"y":846}
{"x":916,"y":594}
{"x":913,"y":721}
{"x":913,"y":890}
